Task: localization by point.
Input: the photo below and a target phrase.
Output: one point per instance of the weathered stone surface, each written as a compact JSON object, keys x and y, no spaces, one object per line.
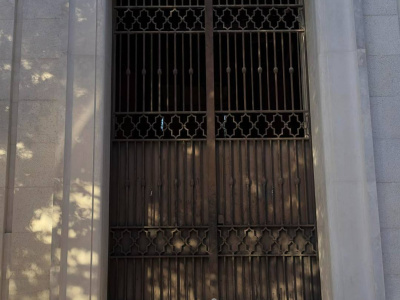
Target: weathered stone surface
{"x":380,"y":7}
{"x":384,"y":75}
{"x":392,"y":283}
{"x":7,"y":9}
{"x":6,"y":38}
{"x":33,"y":211}
{"x":34,"y":165}
{"x":38,"y":121}
{"x":4,"y":115}
{"x":43,"y":78}
{"x":385,"y":117}
{"x":45,"y":9}
{"x":5,"y":79}
{"x":387,"y":160}
{"x":389,"y":208}
{"x":41,"y":39}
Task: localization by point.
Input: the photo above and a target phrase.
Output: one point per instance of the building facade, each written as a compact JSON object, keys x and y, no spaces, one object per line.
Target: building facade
{"x":55,"y":116}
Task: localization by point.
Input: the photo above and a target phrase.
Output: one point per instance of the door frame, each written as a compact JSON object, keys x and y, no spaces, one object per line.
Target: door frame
{"x":346,"y":201}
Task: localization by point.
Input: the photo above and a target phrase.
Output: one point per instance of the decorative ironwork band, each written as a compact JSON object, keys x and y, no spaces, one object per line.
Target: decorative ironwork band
{"x":160,"y":126}
{"x":227,"y":17}
{"x":159,"y":241}
{"x":232,"y":241}
{"x":145,"y":19}
{"x":262,"y":125}
{"x":258,"y":18}
{"x":193,"y":126}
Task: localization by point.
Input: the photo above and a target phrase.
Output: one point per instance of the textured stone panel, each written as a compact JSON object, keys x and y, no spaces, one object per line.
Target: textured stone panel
{"x":392,"y":284}
{"x":383,"y":37}
{"x":4,"y":118}
{"x":42,"y":9}
{"x":384,"y":75}
{"x":30,"y":265}
{"x":34,"y":165}
{"x":43,"y":78}
{"x":23,"y":288}
{"x":37,"y":121}
{"x":33,"y":211}
{"x":30,"y":252}
{"x":380,"y":7}
{"x":7,"y":9}
{"x":391,"y":240}
{"x":85,"y":26}
{"x":5,"y":79}
{"x":387,"y":160}
{"x":385,"y":117}
{"x":389,"y":204}
{"x":6,"y":38}
{"x":391,"y":263}
{"x":41,"y":39}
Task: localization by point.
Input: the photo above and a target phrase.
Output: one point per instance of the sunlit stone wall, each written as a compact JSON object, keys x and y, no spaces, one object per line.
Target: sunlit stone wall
{"x":52,"y":80}
{"x":33,"y":97}
{"x":382,"y":37}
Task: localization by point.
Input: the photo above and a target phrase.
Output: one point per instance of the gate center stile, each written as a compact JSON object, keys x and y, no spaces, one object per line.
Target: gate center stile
{"x":212,"y":191}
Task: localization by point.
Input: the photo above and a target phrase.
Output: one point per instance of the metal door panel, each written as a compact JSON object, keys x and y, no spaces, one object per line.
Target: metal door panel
{"x":211,"y":191}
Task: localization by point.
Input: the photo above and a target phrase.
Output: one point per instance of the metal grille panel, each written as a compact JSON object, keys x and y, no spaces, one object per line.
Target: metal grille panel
{"x":212,"y":190}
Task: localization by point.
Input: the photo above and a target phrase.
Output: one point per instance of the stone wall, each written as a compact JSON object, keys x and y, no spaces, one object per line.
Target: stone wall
{"x":33,"y":97}
{"x":382,"y":36}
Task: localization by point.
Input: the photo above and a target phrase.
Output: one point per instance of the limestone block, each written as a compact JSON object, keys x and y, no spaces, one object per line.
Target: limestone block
{"x":37,"y":121}
{"x":6,"y":38}
{"x":389,"y":208}
{"x":33,"y":211}
{"x":384,"y":75}
{"x":385,"y":117}
{"x":380,"y":7}
{"x":43,"y":78}
{"x":5,"y":78}
{"x":85,"y":26}
{"x":391,"y":263}
{"x":30,"y":266}
{"x":2,"y":205}
{"x":41,"y":39}
{"x":83,"y":118}
{"x":382,"y":35}
{"x":340,"y":37}
{"x":387,"y":158}
{"x":24,"y":289}
{"x":391,"y":240}
{"x":34,"y":165}
{"x":42,"y":9}
{"x":4,"y":117}
{"x":392,"y":284}
{"x":7,"y":9}
{"x":30,"y":256}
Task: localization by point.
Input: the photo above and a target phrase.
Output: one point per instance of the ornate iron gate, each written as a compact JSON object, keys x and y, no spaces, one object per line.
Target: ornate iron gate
{"x":211,"y":171}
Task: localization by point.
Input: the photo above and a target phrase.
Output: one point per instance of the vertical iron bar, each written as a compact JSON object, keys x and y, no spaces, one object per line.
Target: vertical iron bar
{"x":191,"y":72}
{"x":283,"y":71}
{"x":267,"y":71}
{"x":276,"y":70}
{"x":251,"y":71}
{"x":211,"y":159}
{"x":228,"y":70}
{"x":151,"y":72}
{"x":183,"y":73}
{"x":167,"y":71}
{"x":260,"y":70}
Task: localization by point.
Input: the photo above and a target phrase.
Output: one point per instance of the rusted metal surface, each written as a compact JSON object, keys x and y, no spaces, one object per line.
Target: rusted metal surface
{"x":212,"y":190}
